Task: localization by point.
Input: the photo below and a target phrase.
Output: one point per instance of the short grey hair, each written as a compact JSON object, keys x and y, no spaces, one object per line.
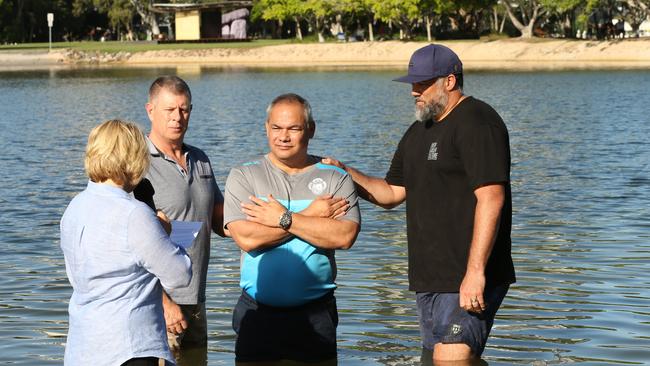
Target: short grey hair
{"x":293,"y":98}
{"x":170,"y":83}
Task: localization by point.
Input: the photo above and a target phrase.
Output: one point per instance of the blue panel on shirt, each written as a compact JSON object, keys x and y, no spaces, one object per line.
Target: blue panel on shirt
{"x":292,"y":273}
{"x":322,"y":166}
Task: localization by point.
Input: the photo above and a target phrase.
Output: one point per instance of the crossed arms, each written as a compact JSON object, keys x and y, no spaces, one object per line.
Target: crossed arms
{"x":319,"y":224}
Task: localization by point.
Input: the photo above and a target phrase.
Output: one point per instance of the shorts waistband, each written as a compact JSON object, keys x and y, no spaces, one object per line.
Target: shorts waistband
{"x":311,"y":304}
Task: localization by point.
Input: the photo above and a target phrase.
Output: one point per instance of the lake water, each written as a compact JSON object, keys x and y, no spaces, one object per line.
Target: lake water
{"x":581,"y":196}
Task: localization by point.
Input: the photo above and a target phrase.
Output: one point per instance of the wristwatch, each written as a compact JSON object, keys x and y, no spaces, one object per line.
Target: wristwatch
{"x":285,"y":220}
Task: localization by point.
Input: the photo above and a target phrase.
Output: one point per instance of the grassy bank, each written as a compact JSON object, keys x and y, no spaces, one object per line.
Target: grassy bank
{"x":139,"y":46}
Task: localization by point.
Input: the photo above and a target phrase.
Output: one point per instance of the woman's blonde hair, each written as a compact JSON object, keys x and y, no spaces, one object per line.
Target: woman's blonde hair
{"x":117,"y":151}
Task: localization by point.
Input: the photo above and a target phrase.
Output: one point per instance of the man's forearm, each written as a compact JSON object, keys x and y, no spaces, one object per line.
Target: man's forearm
{"x":489,"y":202}
{"x":324,"y":232}
{"x":251,"y":236}
{"x":376,"y":190}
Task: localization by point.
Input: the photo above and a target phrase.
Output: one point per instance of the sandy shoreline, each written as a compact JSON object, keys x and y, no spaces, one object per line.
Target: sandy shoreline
{"x":508,"y":54}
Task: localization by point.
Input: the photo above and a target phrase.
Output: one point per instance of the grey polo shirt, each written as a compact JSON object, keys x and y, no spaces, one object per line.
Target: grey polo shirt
{"x":185,"y":196}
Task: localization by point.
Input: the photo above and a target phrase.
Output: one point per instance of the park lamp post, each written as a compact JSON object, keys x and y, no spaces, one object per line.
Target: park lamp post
{"x":50,"y":23}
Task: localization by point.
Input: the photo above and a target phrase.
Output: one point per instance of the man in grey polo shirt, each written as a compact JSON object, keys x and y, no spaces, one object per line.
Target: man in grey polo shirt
{"x":180,"y":183}
{"x":287,"y":309}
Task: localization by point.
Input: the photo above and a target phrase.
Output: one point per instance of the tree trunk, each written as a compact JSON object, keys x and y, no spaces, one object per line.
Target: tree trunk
{"x":19,"y":26}
{"x":527,"y":29}
{"x":279,"y":33}
{"x":568,"y":26}
{"x":371,"y":34}
{"x":148,"y":18}
{"x":298,"y":31}
{"x":429,"y":21}
{"x":339,"y":26}
{"x":404,"y":29}
{"x":319,"y":30}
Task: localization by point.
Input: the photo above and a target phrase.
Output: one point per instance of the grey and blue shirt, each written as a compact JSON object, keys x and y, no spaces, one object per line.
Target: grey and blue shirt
{"x":294,"y":272}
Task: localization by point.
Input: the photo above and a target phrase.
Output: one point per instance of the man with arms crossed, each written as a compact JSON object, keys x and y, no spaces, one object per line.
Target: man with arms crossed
{"x":180,"y":183}
{"x":452,"y":167}
{"x":281,"y":212}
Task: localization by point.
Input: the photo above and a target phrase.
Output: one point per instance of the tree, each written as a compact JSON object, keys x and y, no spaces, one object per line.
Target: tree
{"x":120,"y":12}
{"x":524,"y":14}
{"x":403,"y":13}
{"x":467,"y":15}
{"x":317,"y":11}
{"x":282,"y":10}
{"x":431,"y":9}
{"x":147,"y":17}
{"x":365,"y":6}
{"x":25,"y":20}
{"x":635,"y":12}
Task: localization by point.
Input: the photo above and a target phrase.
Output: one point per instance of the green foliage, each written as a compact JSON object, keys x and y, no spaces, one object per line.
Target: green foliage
{"x":24,"y":20}
{"x":279,"y":9}
{"x":562,"y":6}
{"x":396,"y":10}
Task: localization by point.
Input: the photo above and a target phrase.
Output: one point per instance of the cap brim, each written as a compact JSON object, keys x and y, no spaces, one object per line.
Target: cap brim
{"x":411,"y":79}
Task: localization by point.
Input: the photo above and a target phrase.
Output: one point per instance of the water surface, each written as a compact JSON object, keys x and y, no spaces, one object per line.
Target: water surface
{"x":581,"y":188}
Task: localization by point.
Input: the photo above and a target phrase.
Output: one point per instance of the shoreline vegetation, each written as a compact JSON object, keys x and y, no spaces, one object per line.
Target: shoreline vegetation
{"x":493,"y":55}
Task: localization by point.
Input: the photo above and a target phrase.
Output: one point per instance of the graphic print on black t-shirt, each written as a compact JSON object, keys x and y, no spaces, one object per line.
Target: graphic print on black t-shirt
{"x":433,"y":151}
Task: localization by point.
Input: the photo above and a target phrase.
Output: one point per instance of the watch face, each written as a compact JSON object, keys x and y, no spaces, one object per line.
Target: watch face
{"x":285,"y":220}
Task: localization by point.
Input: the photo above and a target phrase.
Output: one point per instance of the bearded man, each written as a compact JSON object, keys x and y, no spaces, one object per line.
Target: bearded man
{"x":452,"y":167}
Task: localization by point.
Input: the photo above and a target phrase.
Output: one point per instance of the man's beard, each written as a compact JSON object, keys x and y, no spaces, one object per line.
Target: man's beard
{"x":431,"y":109}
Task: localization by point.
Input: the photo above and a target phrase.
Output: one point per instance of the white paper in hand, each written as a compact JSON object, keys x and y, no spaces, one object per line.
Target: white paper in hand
{"x":184,"y":232}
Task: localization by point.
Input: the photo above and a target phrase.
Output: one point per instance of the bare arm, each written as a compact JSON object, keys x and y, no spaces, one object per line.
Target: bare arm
{"x":322,"y":232}
{"x":489,"y":202}
{"x":251,"y":235}
{"x":325,"y":233}
{"x":372,"y":189}
{"x":217,"y":220}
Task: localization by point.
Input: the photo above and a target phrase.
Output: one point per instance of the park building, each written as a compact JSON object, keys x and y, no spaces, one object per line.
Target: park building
{"x":220,"y":21}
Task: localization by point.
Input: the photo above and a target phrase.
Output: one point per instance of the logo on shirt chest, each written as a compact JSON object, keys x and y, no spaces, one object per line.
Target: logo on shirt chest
{"x":317,"y":186}
{"x":433,"y":151}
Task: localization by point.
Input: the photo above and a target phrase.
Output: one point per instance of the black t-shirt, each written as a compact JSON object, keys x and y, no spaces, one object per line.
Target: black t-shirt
{"x":441,"y":164}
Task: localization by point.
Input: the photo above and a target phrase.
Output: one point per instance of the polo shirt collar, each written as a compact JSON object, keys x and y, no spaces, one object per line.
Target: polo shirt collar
{"x":153,"y":150}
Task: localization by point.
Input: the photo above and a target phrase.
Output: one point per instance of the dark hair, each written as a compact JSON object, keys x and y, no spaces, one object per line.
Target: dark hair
{"x":293,"y":98}
{"x":171,"y":83}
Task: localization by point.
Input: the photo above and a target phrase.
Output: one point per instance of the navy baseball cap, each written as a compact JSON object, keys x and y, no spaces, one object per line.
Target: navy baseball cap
{"x":430,"y":62}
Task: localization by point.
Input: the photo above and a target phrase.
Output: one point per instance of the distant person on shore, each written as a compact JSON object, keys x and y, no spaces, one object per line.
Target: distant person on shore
{"x":452,"y":167}
{"x":282,"y":212}
{"x":180,"y":183}
{"x":117,"y":256}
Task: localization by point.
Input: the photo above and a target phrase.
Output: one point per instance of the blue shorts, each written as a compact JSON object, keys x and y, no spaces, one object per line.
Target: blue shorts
{"x":442,"y":320}
{"x":305,"y":333}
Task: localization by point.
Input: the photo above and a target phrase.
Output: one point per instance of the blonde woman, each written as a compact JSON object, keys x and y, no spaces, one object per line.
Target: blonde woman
{"x":117,"y":256}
